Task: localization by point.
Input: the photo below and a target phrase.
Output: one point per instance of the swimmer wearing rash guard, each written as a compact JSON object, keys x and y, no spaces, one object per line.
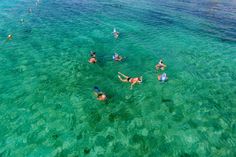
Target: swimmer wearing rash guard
{"x":133,"y":81}
{"x":163,"y":77}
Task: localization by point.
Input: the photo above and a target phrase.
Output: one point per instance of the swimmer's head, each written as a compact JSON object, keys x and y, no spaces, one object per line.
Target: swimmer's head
{"x":9,"y":36}
{"x":140,"y":79}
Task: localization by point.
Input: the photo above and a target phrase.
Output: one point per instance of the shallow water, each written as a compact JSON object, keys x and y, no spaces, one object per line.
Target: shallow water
{"x":47,"y":107}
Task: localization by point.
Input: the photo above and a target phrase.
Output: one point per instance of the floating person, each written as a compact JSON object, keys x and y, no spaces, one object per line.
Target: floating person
{"x":9,"y":37}
{"x":22,"y":20}
{"x":160,"y":65}
{"x":99,"y":94}
{"x":115,"y":33}
{"x":30,"y":10}
{"x":163,"y":77}
{"x":133,"y":81}
{"x":117,"y":57}
{"x":37,"y":2}
{"x":92,"y":59}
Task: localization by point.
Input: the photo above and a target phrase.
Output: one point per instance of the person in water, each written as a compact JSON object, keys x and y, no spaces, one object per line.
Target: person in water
{"x":115,"y":33}
{"x":160,"y":65}
{"x":92,"y":57}
{"x":116,"y":57}
{"x":9,"y":37}
{"x":133,"y":81}
{"x":100,"y":95}
{"x":29,"y":10}
{"x":22,"y":20}
{"x":163,"y":77}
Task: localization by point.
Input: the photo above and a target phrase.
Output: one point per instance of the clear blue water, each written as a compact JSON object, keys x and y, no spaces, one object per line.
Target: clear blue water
{"x":47,"y":106}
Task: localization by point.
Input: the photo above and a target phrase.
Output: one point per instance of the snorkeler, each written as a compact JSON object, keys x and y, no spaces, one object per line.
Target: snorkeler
{"x":116,"y":57}
{"x":9,"y":37}
{"x":100,"y":95}
{"x":163,"y":77}
{"x":115,"y":33}
{"x":160,"y":65}
{"x":93,"y":57}
{"x":133,"y":81}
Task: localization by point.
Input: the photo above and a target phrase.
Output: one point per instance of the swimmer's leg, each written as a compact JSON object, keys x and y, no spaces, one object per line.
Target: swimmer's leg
{"x":96,"y":90}
{"x":123,"y":75}
{"x":123,"y":80}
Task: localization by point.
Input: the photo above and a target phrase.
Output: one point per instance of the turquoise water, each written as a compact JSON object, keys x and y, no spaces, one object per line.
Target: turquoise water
{"x":47,"y":106}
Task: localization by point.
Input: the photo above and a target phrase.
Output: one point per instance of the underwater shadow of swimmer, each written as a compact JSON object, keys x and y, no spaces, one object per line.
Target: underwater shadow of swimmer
{"x":169,"y":103}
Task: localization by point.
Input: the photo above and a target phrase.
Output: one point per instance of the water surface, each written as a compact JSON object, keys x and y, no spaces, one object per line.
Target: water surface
{"x":47,"y":107}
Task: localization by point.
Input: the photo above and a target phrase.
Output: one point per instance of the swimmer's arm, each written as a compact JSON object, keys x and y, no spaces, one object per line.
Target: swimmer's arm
{"x":157,"y":66}
{"x":141,"y":78}
{"x":131,"y":87}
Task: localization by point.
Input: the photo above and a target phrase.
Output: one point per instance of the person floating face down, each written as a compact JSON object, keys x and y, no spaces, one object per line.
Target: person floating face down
{"x":133,"y":81}
{"x":160,"y":65}
{"x":115,"y":33}
{"x":92,"y":57}
{"x":163,"y":77}
{"x":99,"y":94}
{"x":117,"y":57}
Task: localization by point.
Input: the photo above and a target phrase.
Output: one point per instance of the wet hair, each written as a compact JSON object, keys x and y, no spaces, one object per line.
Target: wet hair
{"x":99,"y":94}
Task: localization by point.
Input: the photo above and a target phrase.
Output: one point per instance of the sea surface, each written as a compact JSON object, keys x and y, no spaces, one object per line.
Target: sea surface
{"x":47,"y":104}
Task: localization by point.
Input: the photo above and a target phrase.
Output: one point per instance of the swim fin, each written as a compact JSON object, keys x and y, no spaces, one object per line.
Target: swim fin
{"x":96,"y":89}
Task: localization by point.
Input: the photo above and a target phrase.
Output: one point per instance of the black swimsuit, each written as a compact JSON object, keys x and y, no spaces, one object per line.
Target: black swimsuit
{"x":99,"y":95}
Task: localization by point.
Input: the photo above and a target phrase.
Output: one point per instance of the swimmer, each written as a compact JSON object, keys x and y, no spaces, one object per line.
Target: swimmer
{"x":115,"y":33}
{"x":133,"y":81}
{"x":9,"y":37}
{"x":22,"y":20}
{"x":100,"y":95}
{"x":160,"y":65}
{"x":30,"y":10}
{"x":93,"y":57}
{"x":163,"y":77}
{"x":116,"y":57}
